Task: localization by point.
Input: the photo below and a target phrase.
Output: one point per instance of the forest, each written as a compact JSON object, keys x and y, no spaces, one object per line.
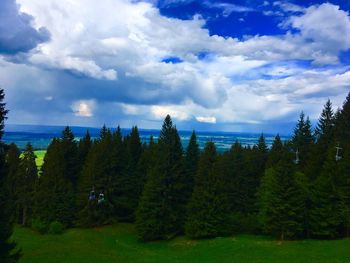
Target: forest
{"x":296,"y":189}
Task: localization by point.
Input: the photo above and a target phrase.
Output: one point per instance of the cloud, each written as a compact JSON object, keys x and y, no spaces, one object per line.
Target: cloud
{"x":326,"y":25}
{"x":102,"y":68}
{"x":83,"y":108}
{"x":16,"y":31}
{"x":228,"y":8}
{"x":289,"y":7}
{"x":206,"y":119}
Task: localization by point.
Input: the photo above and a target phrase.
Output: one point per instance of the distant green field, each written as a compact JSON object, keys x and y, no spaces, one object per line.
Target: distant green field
{"x":118,"y":243}
{"x":40,"y":154}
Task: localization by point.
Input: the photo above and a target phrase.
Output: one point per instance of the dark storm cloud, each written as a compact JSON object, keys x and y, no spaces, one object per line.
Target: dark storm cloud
{"x":16,"y":33}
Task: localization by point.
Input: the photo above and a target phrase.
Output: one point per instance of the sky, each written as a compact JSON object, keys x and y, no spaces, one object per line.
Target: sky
{"x":248,"y":66}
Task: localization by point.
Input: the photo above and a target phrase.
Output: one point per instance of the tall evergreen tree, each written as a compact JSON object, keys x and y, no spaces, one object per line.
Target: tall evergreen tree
{"x":275,"y":152}
{"x":342,"y":122}
{"x":70,"y":154}
{"x":327,"y":203}
{"x":324,"y":134}
{"x":98,"y":177}
{"x":281,"y":201}
{"x":8,"y":251}
{"x":55,"y":193}
{"x":12,"y":164}
{"x":303,"y":140}
{"x":129,"y":179}
{"x":83,"y":150}
{"x":191,"y":163}
{"x":241,"y":181}
{"x":343,"y":182}
{"x":161,"y":211}
{"x":324,"y":128}
{"x":148,"y":160}
{"x":207,"y":213}
{"x":28,"y":176}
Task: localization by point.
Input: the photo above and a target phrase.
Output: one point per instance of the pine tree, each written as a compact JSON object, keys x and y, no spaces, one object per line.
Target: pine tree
{"x":343,"y":183}
{"x":275,"y":153}
{"x":281,"y":201}
{"x":70,"y":154}
{"x":12,"y":164}
{"x":191,"y":163}
{"x":342,"y":124}
{"x":147,"y":162}
{"x":325,"y":123}
{"x":98,"y":178}
{"x":129,"y":179}
{"x":55,"y":194}
{"x":83,"y":150}
{"x":327,"y":205}
{"x":324,"y":134}
{"x":237,"y":167}
{"x":161,"y":211}
{"x":257,"y":169}
{"x":8,"y":251}
{"x":303,"y":140}
{"x":207,"y":213}
{"x":27,"y":176}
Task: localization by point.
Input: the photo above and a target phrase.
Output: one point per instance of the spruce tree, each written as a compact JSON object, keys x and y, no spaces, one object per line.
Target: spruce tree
{"x":324,"y":128}
{"x":281,"y":201}
{"x":343,"y":182}
{"x":161,"y":211}
{"x":191,"y":163}
{"x":241,"y":180}
{"x":342,"y":123}
{"x":8,"y":251}
{"x":27,"y":177}
{"x":324,"y":134}
{"x":98,"y":177}
{"x":70,"y":153}
{"x":55,"y":193}
{"x":128,"y":176}
{"x":207,"y":213}
{"x":12,"y":164}
{"x":327,"y":203}
{"x":303,"y":140}
{"x":83,"y":150}
{"x":275,"y":152}
{"x":148,"y":160}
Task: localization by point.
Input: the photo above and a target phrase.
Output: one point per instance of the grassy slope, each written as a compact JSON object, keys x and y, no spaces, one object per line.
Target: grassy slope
{"x":118,"y":243}
{"x":39,"y":157}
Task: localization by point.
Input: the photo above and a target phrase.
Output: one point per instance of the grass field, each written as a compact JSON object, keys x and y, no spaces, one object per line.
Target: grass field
{"x":39,"y":157}
{"x":118,"y":243}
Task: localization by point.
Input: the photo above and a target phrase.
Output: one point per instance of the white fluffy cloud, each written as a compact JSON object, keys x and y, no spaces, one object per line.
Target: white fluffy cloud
{"x":120,"y":44}
{"x":206,"y":119}
{"x":83,"y":108}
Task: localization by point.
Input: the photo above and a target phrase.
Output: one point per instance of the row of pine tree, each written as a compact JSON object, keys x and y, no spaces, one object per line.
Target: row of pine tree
{"x":295,"y":189}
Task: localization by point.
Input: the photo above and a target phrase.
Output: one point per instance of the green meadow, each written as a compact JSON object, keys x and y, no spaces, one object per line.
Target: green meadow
{"x":118,"y":243}
{"x":40,"y":154}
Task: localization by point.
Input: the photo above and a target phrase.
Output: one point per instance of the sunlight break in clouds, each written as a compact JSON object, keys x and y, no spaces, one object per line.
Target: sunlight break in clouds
{"x":83,"y":108}
{"x":206,"y":119}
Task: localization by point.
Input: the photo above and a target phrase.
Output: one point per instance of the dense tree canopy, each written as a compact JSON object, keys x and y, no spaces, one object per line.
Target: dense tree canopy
{"x":8,"y":251}
{"x":298,"y":188}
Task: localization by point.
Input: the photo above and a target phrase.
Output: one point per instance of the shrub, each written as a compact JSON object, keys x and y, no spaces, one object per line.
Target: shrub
{"x":39,"y":226}
{"x":56,"y":228}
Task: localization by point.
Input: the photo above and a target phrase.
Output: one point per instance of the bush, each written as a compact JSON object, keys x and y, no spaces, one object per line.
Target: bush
{"x":39,"y":226}
{"x":56,"y":228}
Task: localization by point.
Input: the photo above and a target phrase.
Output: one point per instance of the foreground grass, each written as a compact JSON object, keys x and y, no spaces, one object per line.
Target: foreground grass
{"x":118,"y":243}
{"x":40,"y":154}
